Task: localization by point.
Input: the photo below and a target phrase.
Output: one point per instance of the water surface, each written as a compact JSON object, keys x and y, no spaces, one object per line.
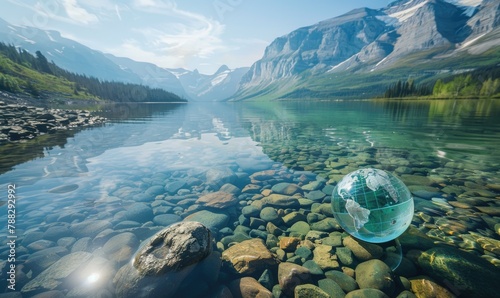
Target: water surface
{"x":101,"y":174}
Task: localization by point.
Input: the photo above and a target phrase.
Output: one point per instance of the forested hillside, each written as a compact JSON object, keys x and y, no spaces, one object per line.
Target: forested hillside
{"x":23,"y":73}
{"x":482,"y":82}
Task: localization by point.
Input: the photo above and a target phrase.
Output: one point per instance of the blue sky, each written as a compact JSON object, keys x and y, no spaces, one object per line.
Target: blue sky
{"x":193,"y":34}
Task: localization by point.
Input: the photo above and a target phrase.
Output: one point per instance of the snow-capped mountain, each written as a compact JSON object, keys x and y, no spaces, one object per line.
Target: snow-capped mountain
{"x":79,"y":58}
{"x":218,"y":86}
{"x":366,"y":41}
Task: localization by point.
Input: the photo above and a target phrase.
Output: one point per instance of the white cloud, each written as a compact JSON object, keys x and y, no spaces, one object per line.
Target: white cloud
{"x":78,"y":13}
{"x":118,"y":12}
{"x":183,"y":34}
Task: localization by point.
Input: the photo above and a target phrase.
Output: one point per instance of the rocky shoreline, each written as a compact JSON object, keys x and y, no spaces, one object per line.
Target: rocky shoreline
{"x":22,"y":122}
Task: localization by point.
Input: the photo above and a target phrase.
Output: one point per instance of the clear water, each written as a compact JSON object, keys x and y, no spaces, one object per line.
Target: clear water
{"x":96,"y":174}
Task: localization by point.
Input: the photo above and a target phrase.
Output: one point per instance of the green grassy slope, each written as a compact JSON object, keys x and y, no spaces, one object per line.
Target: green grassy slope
{"x":30,"y":81}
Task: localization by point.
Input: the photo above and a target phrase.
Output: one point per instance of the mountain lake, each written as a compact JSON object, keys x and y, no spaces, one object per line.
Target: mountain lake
{"x":83,"y":202}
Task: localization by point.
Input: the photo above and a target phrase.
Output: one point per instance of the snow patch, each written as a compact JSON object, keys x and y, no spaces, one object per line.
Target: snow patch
{"x":468,"y":43}
{"x":12,"y":28}
{"x":178,"y":74}
{"x":27,"y":39}
{"x":466,"y":2}
{"x":404,"y":15}
{"x":220,"y":78}
{"x":341,"y":63}
{"x":469,"y":6}
{"x":49,"y":36}
{"x":390,"y":21}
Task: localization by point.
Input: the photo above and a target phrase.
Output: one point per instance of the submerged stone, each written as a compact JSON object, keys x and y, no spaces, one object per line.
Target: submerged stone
{"x":249,"y":256}
{"x":375,"y":274}
{"x":474,"y":276}
{"x":219,"y":199}
{"x":164,"y":261}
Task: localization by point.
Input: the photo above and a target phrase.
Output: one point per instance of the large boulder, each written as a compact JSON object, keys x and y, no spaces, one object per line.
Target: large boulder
{"x":473,"y":276}
{"x":164,"y":261}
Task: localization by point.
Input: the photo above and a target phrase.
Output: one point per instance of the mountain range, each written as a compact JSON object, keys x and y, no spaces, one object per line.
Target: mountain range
{"x":357,"y":54}
{"x":78,"y":58}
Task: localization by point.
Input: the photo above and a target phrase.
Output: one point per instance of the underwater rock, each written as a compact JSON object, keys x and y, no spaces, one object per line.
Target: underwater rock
{"x":213,"y":221}
{"x":310,"y":291}
{"x":471,"y":275}
{"x":422,"y":286}
{"x":64,"y":271}
{"x":366,"y":293}
{"x":363,"y":250}
{"x":346,"y":282}
{"x":249,"y":287}
{"x":325,"y":257}
{"x":249,"y":256}
{"x":164,"y":261}
{"x":219,"y":200}
{"x":331,"y":287}
{"x":291,"y":275}
{"x":375,"y":274}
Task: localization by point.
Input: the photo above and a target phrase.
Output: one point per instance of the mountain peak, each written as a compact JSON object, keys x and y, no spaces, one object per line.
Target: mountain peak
{"x":221,"y":69}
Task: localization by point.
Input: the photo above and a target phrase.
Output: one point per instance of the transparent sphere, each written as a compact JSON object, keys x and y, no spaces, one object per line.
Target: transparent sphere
{"x":372,"y":205}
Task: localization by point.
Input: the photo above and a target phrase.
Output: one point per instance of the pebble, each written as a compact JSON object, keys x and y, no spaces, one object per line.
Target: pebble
{"x":375,"y":274}
{"x":291,"y":275}
{"x":331,"y":287}
{"x":299,"y":229}
{"x":310,"y":290}
{"x":363,"y":251}
{"x":368,"y":293}
{"x":325,"y":257}
{"x":249,"y":256}
{"x":248,"y":287}
{"x":214,"y":221}
{"x":425,"y":287}
{"x":219,"y":200}
{"x":346,"y":283}
{"x":270,"y":214}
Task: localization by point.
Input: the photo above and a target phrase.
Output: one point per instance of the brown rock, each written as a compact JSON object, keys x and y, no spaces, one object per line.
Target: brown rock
{"x":364,"y":251}
{"x":249,"y":256}
{"x":251,"y":188}
{"x":289,"y":244}
{"x":493,"y":211}
{"x":263,"y":175}
{"x":248,"y":287}
{"x":422,"y":287}
{"x":325,"y":257}
{"x":291,"y":275}
{"x":219,"y":199}
{"x":266,"y":192}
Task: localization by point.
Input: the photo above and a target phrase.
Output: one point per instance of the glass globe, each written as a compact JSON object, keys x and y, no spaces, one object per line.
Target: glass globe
{"x":372,"y":205}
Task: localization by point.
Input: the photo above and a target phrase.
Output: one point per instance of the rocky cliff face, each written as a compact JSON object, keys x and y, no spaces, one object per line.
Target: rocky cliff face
{"x":366,"y":40}
{"x":317,"y":47}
